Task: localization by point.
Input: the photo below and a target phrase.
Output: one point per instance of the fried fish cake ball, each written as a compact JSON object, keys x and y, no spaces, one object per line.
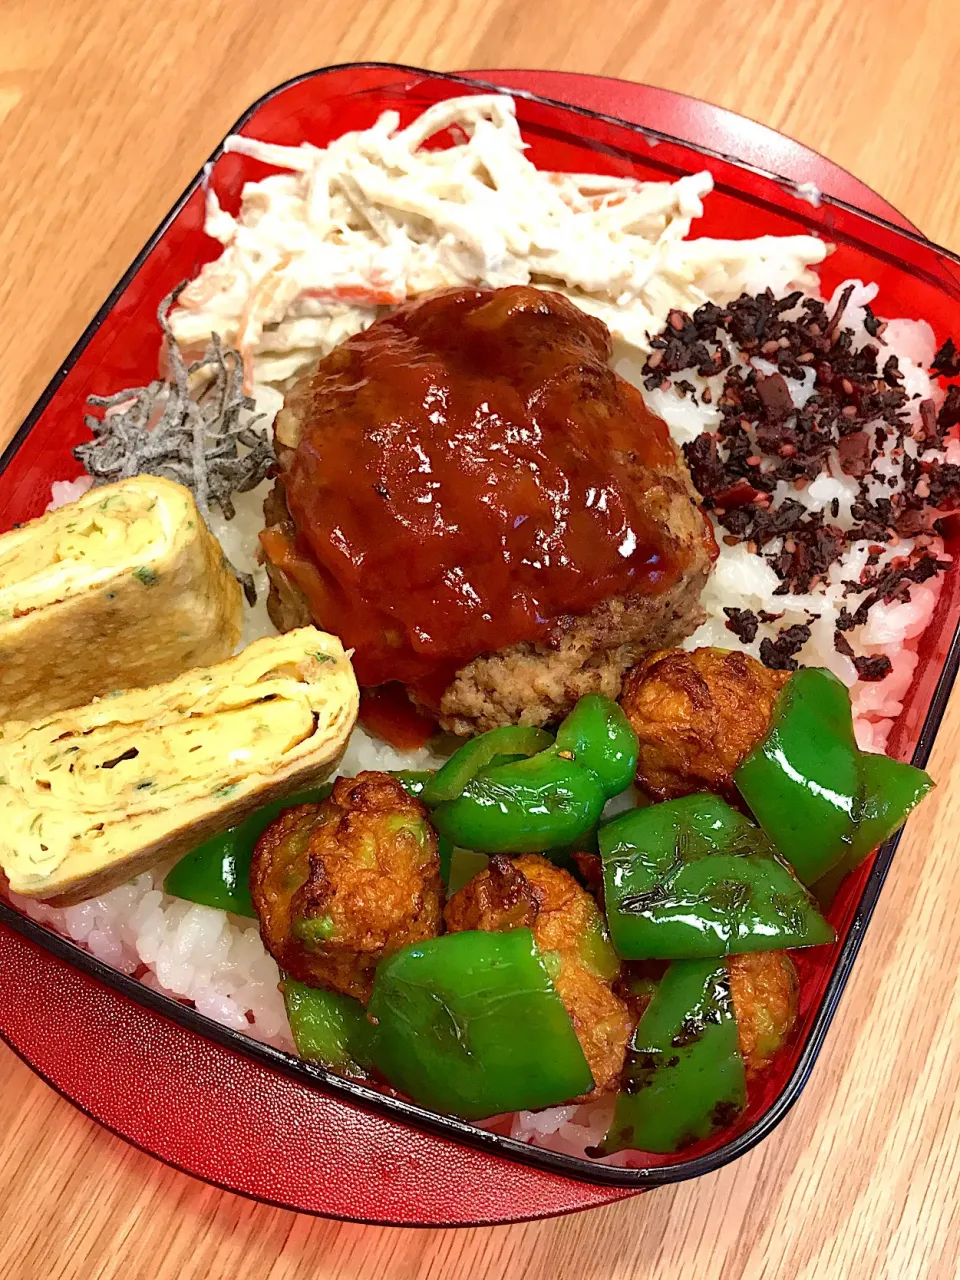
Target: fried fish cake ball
{"x":571,"y":936}
{"x":340,"y":885}
{"x":697,"y":714}
{"x":764,"y":988}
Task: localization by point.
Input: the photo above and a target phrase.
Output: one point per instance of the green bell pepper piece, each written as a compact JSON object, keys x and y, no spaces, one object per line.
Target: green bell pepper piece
{"x":529,"y":806}
{"x":470,"y":1024}
{"x":549,"y":795}
{"x":217,"y":872}
{"x":328,"y":1027}
{"x":890,"y":791}
{"x":413,"y":781}
{"x":598,"y":737}
{"x":694,"y":878}
{"x":510,"y":740}
{"x":684,"y":1077}
{"x":824,"y":803}
{"x":464,"y":865}
{"x":802,"y":783}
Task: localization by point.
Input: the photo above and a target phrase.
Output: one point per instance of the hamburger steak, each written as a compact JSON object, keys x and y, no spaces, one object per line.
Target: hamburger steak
{"x":473,"y":500}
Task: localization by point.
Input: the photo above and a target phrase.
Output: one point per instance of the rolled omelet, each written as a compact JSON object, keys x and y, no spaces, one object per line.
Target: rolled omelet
{"x":93,"y":796}
{"x":122,"y":588}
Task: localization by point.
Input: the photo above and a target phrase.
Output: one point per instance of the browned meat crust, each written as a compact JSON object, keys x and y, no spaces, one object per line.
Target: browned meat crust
{"x":533,"y":684}
{"x":286,"y":603}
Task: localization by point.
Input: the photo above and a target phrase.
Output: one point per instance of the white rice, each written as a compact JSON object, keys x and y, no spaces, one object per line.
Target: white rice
{"x":745,"y":581}
{"x":217,"y":961}
{"x":65,"y":491}
{"x":188,"y":951}
{"x":196,"y":953}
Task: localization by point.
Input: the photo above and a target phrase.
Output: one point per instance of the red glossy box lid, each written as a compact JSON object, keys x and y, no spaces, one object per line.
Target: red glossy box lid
{"x":244,"y":1116}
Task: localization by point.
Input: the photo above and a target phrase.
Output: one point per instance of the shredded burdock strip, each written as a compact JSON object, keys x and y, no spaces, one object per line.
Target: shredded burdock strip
{"x":191,"y":427}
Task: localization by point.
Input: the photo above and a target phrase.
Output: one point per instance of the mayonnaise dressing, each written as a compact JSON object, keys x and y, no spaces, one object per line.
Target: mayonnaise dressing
{"x":316,"y":251}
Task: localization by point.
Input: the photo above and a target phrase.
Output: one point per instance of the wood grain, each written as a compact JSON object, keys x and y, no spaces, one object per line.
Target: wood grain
{"x":105,"y":112}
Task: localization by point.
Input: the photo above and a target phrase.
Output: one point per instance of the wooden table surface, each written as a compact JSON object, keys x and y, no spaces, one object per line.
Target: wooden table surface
{"x":106,"y":109}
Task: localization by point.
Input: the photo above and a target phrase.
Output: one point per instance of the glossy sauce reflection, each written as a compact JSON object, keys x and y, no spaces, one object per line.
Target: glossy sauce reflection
{"x":471,"y":472}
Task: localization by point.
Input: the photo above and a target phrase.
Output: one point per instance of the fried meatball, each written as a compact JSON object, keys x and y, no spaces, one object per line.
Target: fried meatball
{"x":697,"y":714}
{"x":340,"y":885}
{"x":567,"y":925}
{"x":763,"y":986}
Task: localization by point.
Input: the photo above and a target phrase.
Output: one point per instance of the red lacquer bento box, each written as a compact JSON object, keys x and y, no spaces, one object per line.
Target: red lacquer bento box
{"x":248,"y":1117}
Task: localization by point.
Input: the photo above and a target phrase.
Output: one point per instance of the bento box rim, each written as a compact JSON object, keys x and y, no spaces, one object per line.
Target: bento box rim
{"x":581,"y":1170}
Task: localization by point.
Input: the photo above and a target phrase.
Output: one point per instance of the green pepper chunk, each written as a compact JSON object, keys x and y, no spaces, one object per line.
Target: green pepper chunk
{"x":464,"y":865}
{"x":328,"y":1027}
{"x":529,"y":806}
{"x":597,"y":735}
{"x":802,"y":783}
{"x":890,"y":791}
{"x":684,"y":1077}
{"x":824,"y":803}
{"x":515,"y":790}
{"x":470,"y":1024}
{"x":217,"y":872}
{"x":413,"y":781}
{"x":510,"y":740}
{"x":694,"y":878}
